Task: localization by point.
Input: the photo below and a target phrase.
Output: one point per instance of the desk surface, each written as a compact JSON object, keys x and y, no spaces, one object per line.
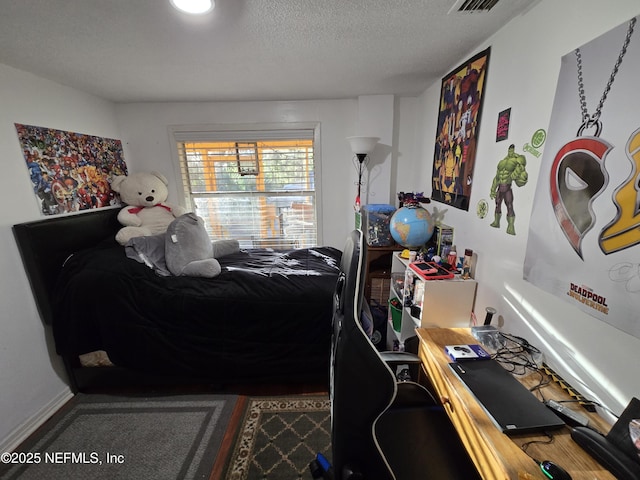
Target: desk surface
{"x":497,"y":455}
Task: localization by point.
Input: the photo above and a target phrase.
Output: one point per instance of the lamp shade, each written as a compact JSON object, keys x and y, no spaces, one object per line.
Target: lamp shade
{"x":363,"y":145}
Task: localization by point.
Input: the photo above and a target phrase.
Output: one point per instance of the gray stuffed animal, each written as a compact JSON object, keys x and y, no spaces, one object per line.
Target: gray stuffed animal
{"x":189,"y":250}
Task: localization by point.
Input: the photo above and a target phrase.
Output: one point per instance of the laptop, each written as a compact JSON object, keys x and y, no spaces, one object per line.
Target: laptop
{"x":513,"y":408}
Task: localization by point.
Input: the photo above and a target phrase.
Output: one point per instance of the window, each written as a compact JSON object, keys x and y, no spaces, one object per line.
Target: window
{"x":256,"y":187}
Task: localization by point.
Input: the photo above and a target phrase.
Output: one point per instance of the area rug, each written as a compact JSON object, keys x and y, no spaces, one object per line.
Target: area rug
{"x":279,"y":436}
{"x":112,"y":437}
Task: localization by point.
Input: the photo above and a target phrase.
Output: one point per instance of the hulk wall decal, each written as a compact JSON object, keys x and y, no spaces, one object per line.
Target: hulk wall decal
{"x":511,"y":168}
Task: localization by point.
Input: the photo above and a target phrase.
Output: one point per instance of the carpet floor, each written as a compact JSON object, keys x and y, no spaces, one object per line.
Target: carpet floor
{"x":276,"y":438}
{"x":114,"y":437}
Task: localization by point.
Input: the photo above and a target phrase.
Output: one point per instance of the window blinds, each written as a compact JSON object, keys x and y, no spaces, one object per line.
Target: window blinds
{"x":256,"y":187}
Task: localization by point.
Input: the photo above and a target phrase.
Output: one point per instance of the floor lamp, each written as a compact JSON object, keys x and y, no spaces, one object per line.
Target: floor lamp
{"x":362,"y":148}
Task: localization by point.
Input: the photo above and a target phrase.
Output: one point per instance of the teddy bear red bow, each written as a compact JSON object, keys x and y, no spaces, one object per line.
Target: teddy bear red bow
{"x":146,"y":212}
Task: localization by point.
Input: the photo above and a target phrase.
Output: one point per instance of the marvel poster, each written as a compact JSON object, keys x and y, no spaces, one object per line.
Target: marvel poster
{"x":70,"y":171}
{"x":459,"y":115}
{"x":584,"y":236}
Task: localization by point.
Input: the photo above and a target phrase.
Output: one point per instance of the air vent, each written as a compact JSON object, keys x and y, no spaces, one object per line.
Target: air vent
{"x":473,"y":6}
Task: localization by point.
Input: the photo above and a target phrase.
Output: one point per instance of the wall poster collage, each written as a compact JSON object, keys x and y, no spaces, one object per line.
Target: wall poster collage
{"x":584,"y":236}
{"x":70,"y":171}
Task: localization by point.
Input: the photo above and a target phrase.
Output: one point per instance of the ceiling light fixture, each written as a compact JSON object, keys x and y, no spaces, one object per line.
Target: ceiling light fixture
{"x":194,"y":7}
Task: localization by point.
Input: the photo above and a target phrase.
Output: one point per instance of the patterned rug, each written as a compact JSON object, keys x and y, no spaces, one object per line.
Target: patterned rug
{"x":112,"y":437}
{"x":279,"y":436}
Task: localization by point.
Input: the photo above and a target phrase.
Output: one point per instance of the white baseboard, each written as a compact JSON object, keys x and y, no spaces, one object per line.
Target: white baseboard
{"x":22,"y":432}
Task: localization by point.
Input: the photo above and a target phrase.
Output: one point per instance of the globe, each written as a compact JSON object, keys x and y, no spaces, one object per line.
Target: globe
{"x":411,"y":226}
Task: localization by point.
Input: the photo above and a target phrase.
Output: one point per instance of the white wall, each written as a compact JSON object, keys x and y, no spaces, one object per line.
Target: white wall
{"x":145,"y":132}
{"x":376,"y":119}
{"x":32,"y":379}
{"x":596,"y":358}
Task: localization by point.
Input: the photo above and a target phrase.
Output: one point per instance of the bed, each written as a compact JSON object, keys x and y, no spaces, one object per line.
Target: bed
{"x":266,"y":317}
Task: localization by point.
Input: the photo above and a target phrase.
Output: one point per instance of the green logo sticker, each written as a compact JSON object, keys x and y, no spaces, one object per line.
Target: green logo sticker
{"x":538,"y":138}
{"x":482,"y":208}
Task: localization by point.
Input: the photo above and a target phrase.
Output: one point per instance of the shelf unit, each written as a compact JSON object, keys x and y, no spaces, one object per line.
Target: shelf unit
{"x":442,"y":303}
{"x":378,"y":272}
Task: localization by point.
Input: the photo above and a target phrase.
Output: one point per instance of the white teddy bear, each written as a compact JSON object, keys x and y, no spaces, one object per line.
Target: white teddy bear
{"x":146,"y":213}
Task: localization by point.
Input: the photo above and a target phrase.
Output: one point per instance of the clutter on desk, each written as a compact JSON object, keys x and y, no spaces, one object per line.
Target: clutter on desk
{"x":431,"y":270}
{"x":489,"y":336}
{"x":443,"y":236}
{"x":518,"y":355}
{"x":452,"y":258}
{"x":466,"y":352}
{"x":466,"y":263}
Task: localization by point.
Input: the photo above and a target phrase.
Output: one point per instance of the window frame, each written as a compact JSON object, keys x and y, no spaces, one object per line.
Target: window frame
{"x":241,"y":133}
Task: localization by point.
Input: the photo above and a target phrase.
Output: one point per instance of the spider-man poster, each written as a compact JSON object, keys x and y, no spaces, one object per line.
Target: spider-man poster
{"x":461,"y":99}
{"x":584,"y":235}
{"x":71,"y":171}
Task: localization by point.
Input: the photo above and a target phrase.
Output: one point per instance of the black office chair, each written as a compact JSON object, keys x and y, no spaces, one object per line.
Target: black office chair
{"x":382,"y":428}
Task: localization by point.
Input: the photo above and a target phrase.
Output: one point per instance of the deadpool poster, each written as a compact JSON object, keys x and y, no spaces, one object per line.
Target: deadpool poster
{"x":584,"y":236}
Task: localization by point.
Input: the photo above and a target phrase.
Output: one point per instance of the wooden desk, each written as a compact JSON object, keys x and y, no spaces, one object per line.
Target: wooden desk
{"x":496,"y":455}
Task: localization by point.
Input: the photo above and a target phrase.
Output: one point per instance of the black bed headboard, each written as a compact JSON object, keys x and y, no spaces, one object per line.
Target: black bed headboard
{"x":45,"y":244}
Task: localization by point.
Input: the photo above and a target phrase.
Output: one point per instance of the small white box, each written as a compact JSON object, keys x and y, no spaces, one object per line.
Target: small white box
{"x":466,"y":352}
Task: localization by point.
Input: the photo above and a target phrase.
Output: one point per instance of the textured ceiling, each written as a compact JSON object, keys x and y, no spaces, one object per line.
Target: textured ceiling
{"x":144,"y":50}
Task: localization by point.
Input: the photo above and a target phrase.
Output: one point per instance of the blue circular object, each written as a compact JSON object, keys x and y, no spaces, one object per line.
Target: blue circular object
{"x":411,"y":227}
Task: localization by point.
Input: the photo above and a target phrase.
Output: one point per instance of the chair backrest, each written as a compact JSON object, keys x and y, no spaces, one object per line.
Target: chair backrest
{"x":362,"y":385}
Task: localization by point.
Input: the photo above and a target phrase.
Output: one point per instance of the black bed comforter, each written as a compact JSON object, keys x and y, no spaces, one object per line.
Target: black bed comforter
{"x":268,"y":314}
